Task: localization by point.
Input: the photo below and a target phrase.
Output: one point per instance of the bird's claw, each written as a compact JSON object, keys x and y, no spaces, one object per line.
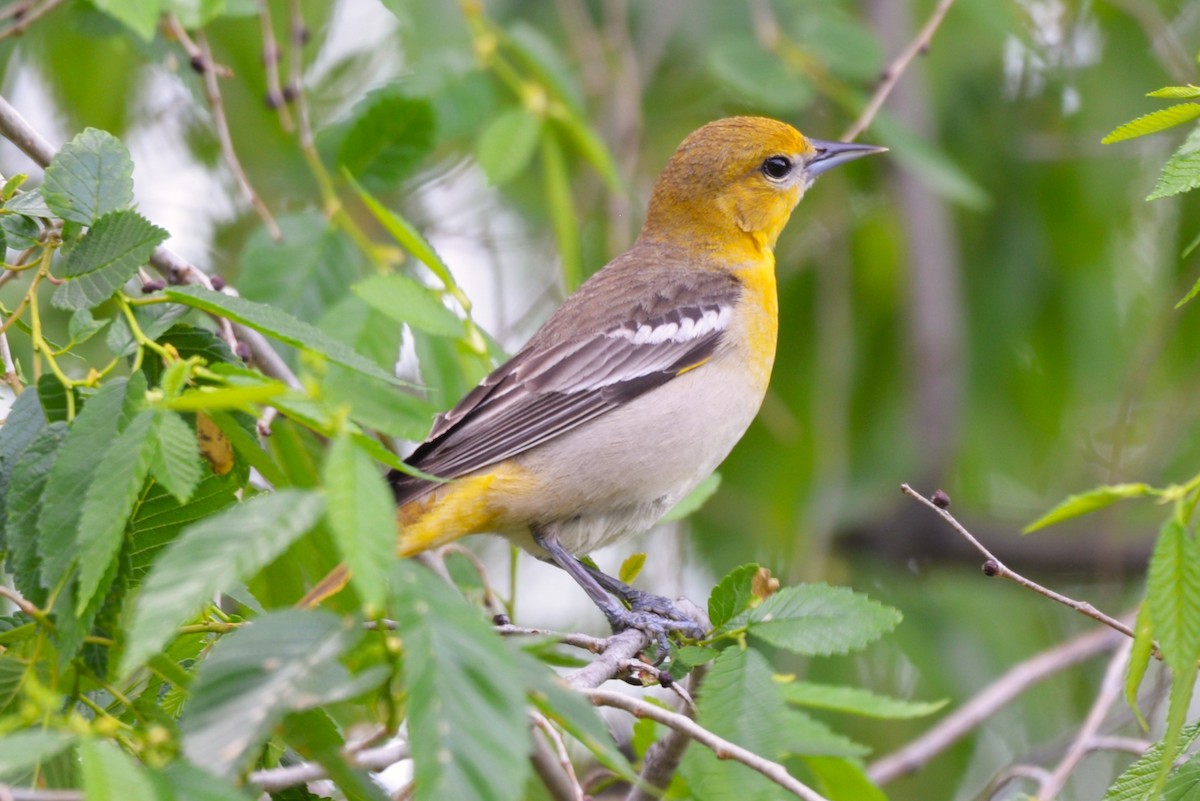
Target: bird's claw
{"x":658,"y":617}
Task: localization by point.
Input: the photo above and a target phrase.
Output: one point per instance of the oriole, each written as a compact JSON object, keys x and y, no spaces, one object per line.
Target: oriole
{"x":640,"y":384}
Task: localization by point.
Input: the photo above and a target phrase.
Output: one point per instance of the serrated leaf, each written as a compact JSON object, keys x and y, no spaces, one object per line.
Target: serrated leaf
{"x":379,"y":406}
{"x":856,"y":701}
{"x":631,"y":567}
{"x":12,"y":675}
{"x":212,"y":556}
{"x":843,"y":779}
{"x":1176,"y":92}
{"x":22,"y":424}
{"x":109,"y":774}
{"x":407,"y":301}
{"x":84,"y":326}
{"x":361,"y":513}
{"x":465,"y":695}
{"x":20,"y":232}
{"x":31,"y":204}
{"x":1137,"y":782}
{"x":693,"y":500}
{"x":158,"y":518}
{"x":1181,"y":173}
{"x":109,"y":500}
{"x":1153,"y":122}
{"x":277,"y":324}
{"x":818,"y":620}
{"x":23,"y":503}
{"x":25,"y":749}
{"x":107,"y":256}
{"x":284,"y":661}
{"x":1139,"y":660}
{"x":91,"y":176}
{"x":216,"y":399}
{"x":1184,"y":783}
{"x":1087,"y":502}
{"x":507,"y":144}
{"x":1173,"y":595}
{"x":305,"y":273}
{"x":732,"y":594}
{"x":389,"y":136}
{"x":175,"y":457}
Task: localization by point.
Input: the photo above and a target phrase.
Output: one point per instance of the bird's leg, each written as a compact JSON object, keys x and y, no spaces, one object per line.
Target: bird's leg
{"x":640,"y":601}
{"x":655,"y":624}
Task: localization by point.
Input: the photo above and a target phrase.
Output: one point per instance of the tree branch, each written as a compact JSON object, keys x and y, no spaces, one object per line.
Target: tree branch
{"x":995,"y":696}
{"x":891,"y":75}
{"x":720,"y":746}
{"x":663,"y":758}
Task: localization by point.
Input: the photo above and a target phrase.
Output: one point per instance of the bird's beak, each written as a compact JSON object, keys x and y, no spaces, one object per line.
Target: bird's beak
{"x":831,"y":154}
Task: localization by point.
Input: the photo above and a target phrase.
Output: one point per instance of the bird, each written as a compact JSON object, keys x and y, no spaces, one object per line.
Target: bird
{"x":641,"y":382}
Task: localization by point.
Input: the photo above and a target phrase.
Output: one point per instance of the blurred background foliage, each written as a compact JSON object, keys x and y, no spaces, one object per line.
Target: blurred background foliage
{"x":988,"y":309}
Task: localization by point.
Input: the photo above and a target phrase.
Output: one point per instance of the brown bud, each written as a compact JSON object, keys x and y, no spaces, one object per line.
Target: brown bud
{"x":500,"y":620}
{"x":290,"y":93}
{"x":940,"y":499}
{"x":218,"y":283}
{"x":157,"y":285}
{"x":991,"y":568}
{"x":198,"y":63}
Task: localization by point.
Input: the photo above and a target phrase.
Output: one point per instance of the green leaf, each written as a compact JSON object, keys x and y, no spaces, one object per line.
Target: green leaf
{"x":818,"y":620}
{"x":631,"y":567}
{"x":158,"y":517}
{"x":22,"y":424}
{"x":732,"y":594}
{"x":1173,"y":595}
{"x":20,"y":232}
{"x":1195,"y":290}
{"x":843,"y":779}
{"x":1137,"y":782}
{"x":389,"y":136}
{"x":507,"y":144}
{"x":305,"y":273}
{"x":751,"y":73}
{"x":407,"y":301}
{"x":1181,"y":173}
{"x":212,"y":399}
{"x":189,"y":783}
{"x":377,"y":405}
{"x":931,"y":164}
{"x":1184,"y":784}
{"x":1087,"y":502}
{"x":109,"y":774}
{"x":560,"y":202}
{"x":30,"y":204}
{"x":1176,"y":92}
{"x":23,"y":503}
{"x":1139,"y":661}
{"x":175,"y":457}
{"x":12,"y":675}
{"x":109,"y":500}
{"x":91,"y":176}
{"x":277,"y":324}
{"x":465,"y":696}
{"x":694,"y":499}
{"x":1154,"y":122}
{"x":856,"y":701}
{"x":107,"y":256}
{"x":210,"y":557}
{"x":26,"y":749}
{"x":141,"y":16}
{"x":562,"y":704}
{"x":361,"y":513}
{"x":284,"y":661}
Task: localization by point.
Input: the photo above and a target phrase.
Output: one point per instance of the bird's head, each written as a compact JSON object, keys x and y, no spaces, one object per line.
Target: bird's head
{"x":737,"y":180}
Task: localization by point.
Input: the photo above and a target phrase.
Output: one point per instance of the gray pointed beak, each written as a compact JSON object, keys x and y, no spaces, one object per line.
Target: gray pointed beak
{"x":831,"y":154}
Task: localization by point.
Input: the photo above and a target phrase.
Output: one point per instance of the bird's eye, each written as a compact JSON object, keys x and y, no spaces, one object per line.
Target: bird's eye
{"x":777,"y":167}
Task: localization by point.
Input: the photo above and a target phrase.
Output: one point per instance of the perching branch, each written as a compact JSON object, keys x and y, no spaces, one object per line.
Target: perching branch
{"x":994,"y":567}
{"x":720,"y":746}
{"x":891,"y":75}
{"x":663,"y":758}
{"x":994,"y":697}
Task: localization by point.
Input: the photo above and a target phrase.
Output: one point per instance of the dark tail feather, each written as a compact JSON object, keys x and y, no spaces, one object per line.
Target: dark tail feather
{"x":407,"y":488}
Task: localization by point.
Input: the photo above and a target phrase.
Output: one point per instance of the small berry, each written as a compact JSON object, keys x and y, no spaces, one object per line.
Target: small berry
{"x":940,"y":499}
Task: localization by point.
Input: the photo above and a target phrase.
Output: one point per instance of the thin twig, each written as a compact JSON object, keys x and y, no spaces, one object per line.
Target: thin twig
{"x":595,"y":645}
{"x":31,"y":15}
{"x":994,"y":567}
{"x":891,"y":75}
{"x":271,"y":56}
{"x":20,"y":602}
{"x":30,"y":794}
{"x":493,"y":606}
{"x":560,"y":751}
{"x":6,"y":359}
{"x":275,"y":779}
{"x":1110,"y":691}
{"x":995,"y":696}
{"x":719,"y":745}
{"x":212,"y":91}
{"x":1130,"y":745}
{"x":610,"y":664}
{"x":663,"y":757}
{"x":197,"y":58}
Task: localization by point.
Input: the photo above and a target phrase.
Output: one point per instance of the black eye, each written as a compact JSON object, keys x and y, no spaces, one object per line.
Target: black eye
{"x":777,"y":167}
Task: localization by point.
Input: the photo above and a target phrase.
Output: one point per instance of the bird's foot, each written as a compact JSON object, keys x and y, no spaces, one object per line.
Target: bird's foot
{"x":655,"y":615}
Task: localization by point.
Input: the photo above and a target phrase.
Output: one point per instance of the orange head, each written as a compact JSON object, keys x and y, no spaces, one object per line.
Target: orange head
{"x":735,"y":182}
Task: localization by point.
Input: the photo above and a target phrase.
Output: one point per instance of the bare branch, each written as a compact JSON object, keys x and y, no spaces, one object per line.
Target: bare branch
{"x":994,"y":567}
{"x":196,"y":57}
{"x":271,"y":56}
{"x":891,"y":75}
{"x":566,"y":769}
{"x":375,"y":759}
{"x":20,"y":602}
{"x":611,"y":663}
{"x":25,"y":14}
{"x":6,"y":359}
{"x":720,"y":746}
{"x":29,"y":794}
{"x":588,"y":643}
{"x":663,"y":758}
{"x":212,"y":90}
{"x":995,"y":696}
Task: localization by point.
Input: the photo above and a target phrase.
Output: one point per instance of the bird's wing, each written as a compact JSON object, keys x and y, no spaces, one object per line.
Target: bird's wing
{"x":546,"y":390}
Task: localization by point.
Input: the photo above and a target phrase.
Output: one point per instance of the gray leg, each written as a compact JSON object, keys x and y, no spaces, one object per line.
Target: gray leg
{"x":593,"y":582}
{"x":640,"y":601}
